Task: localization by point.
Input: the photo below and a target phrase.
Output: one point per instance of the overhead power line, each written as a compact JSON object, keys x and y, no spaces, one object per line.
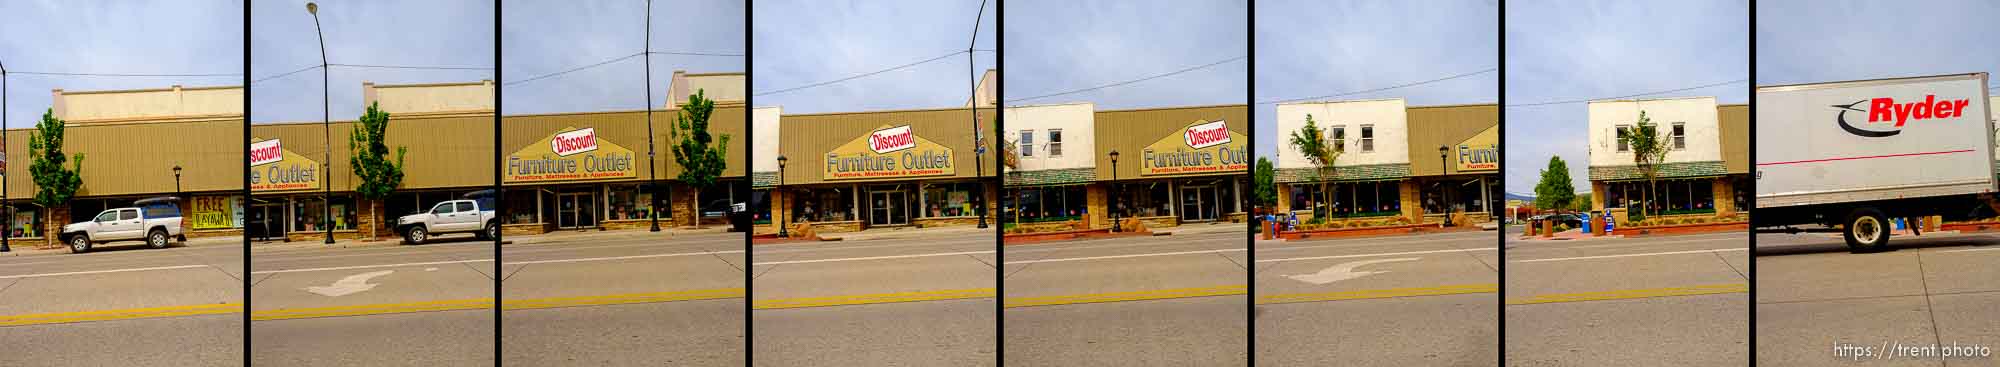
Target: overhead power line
{"x":289,"y":73}
{"x":1398,"y":86}
{"x":575,"y":69}
{"x":1629,"y":95}
{"x":56,"y":73}
{"x":411,"y":67}
{"x":1175,"y":72}
{"x":862,"y":75}
{"x":687,"y":53}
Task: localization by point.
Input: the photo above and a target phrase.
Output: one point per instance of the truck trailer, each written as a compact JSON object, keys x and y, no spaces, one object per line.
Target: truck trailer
{"x":1849,"y":156}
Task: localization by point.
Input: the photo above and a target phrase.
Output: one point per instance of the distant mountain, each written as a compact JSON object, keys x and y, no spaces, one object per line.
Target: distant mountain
{"x":1521,"y":197}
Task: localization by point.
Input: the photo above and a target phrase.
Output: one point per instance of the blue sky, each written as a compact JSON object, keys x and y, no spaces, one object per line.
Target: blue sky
{"x":204,"y":37}
{"x":542,"y":37}
{"x":457,"y":33}
{"x":1567,"y":50}
{"x":1318,"y":48}
{"x":1809,"y":42}
{"x":800,"y":42}
{"x":1055,"y":46}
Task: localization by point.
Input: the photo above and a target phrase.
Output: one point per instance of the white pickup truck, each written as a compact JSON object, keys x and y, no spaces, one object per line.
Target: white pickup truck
{"x":155,"y":220}
{"x":456,"y":216}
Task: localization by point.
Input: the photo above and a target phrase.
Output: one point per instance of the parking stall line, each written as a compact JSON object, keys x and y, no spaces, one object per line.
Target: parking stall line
{"x":1198,"y":252}
{"x":25,"y":276}
{"x":1633,"y":255}
{"x":890,"y":257}
{"x":629,"y":257}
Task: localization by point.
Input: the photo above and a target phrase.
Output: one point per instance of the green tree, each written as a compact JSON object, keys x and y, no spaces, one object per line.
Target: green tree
{"x":1581,"y":204}
{"x":368,"y":156}
{"x":699,"y":154}
{"x":54,"y":184}
{"x":1311,"y":141}
{"x":1555,"y":191}
{"x":1649,"y":149}
{"x":1263,"y":183}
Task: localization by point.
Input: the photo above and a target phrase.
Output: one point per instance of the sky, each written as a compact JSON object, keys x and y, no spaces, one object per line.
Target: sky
{"x":114,"y":37}
{"x":1565,"y":50}
{"x":1796,"y":42}
{"x":1319,"y":48}
{"x":543,"y":37}
{"x":453,"y":33}
{"x":1056,"y":46}
{"x":801,"y":42}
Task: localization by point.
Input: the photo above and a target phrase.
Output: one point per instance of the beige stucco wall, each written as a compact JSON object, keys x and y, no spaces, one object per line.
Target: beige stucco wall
{"x":430,"y":98}
{"x":148,"y":104}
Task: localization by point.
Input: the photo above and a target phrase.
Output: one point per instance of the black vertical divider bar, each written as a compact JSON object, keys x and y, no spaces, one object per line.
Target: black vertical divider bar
{"x":750,"y":141}
{"x":999,"y":178}
{"x":499,"y":196}
{"x":1751,"y":241}
{"x":1250,"y":236}
{"x":246,"y":181}
{"x":1500,"y":240}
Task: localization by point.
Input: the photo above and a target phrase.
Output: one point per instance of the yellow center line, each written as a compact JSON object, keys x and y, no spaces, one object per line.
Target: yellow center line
{"x":124,"y":314}
{"x":1378,"y":293}
{"x":863,"y":299}
{"x":616,"y":299}
{"x":1633,"y":293}
{"x":1227,"y":290}
{"x":375,"y":309}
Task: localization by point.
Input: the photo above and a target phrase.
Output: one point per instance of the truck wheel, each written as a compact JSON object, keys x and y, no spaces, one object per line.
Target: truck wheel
{"x":79,"y":244}
{"x":415,"y":236}
{"x":492,"y":231}
{"x":157,"y":238}
{"x":1866,"y":229}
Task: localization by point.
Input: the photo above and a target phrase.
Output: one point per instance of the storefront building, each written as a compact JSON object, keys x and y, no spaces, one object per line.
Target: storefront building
{"x":300,"y":171}
{"x":1164,"y":167}
{"x":592,"y":171}
{"x":1705,"y":174}
{"x":842,"y":172}
{"x":1052,"y":184}
{"x":137,"y":144}
{"x":1398,"y":165}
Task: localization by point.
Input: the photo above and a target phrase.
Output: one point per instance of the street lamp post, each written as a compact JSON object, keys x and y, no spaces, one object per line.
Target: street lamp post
{"x":177,"y":181}
{"x":1444,"y":202}
{"x":652,"y":165}
{"x":9,"y":231}
{"x":785,"y":220}
{"x":1115,"y":192}
{"x":326,"y":124}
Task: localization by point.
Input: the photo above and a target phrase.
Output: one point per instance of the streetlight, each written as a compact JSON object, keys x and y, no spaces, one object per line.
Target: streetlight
{"x":782,"y":223}
{"x":1444,"y":202}
{"x":177,"y":180}
{"x":326,"y":125}
{"x":9,"y":231}
{"x":1115,"y":192}
{"x":652,"y":166}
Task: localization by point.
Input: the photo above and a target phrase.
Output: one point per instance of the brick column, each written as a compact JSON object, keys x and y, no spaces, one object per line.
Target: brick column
{"x":1411,"y":195}
{"x":1725,"y":199}
{"x":1596,"y":195}
{"x":1284,"y":199}
{"x":1097,"y":205}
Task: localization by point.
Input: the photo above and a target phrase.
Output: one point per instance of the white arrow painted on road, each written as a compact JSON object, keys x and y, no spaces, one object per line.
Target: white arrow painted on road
{"x":350,"y":285}
{"x":1344,"y":271}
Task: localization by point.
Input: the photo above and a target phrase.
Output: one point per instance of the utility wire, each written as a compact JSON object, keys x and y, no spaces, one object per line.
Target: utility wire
{"x":301,"y":70}
{"x":601,"y":63}
{"x":685,"y":53}
{"x":1398,"y":86}
{"x":1629,"y":95}
{"x":54,"y":73}
{"x":411,"y":67}
{"x":1129,"y":81}
{"x":862,"y":75}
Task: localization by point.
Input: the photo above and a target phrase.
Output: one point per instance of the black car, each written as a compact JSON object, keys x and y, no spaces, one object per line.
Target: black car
{"x":1572,"y":220}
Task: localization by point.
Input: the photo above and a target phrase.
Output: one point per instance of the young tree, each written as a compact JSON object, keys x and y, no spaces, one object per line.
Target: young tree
{"x":1262,"y":181}
{"x":54,"y":184}
{"x":1649,"y":149}
{"x":699,"y":154}
{"x":1312,"y":142}
{"x":368,"y":156}
{"x":1555,"y":191}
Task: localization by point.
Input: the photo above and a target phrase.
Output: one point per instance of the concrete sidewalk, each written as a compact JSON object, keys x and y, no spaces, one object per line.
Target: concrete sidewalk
{"x":1203,"y":228}
{"x":568,"y":235}
{"x":907,"y":232}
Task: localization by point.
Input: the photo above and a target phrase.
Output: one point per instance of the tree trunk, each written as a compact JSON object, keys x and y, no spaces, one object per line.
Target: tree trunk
{"x":697,"y":208}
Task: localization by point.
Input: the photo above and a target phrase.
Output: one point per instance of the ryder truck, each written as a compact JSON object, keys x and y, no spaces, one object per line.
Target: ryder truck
{"x":1851,"y":155}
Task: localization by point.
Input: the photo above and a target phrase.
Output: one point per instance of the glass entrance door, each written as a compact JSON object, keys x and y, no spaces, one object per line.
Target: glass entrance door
{"x":888,"y":208}
{"x":266,"y":221}
{"x":576,"y":210}
{"x":1199,"y":203}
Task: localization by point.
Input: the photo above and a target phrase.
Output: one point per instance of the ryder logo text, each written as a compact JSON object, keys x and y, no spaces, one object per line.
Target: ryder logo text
{"x":1884,"y":110}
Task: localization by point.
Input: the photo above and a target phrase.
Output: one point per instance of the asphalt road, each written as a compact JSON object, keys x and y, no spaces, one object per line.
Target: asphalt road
{"x":1132,"y":301}
{"x":1812,"y":295}
{"x":123,"y":305}
{"x":1643,"y":301}
{"x":644,"y":299}
{"x":1418,"y":300}
{"x":428,"y":305}
{"x":922,"y":301}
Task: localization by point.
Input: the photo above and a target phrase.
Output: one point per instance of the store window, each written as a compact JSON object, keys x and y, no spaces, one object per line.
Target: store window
{"x":760,"y":206}
{"x":717,"y":199}
{"x":1027,"y":143}
{"x":627,"y":202}
{"x":1366,"y":199}
{"x":27,"y":220}
{"x":520,"y":206}
{"x":1680,"y":136}
{"x":309,"y":213}
{"x":1306,"y":196}
{"x":824,"y":205}
{"x":1471,"y":197}
{"x":1055,"y":143}
{"x":1152,"y":199}
{"x":956,"y":199}
{"x":1367,"y":138}
{"x":1047,"y":204}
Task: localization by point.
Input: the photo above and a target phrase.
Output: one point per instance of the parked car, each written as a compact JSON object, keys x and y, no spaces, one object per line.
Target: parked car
{"x":154,"y":220}
{"x":456,"y":216}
